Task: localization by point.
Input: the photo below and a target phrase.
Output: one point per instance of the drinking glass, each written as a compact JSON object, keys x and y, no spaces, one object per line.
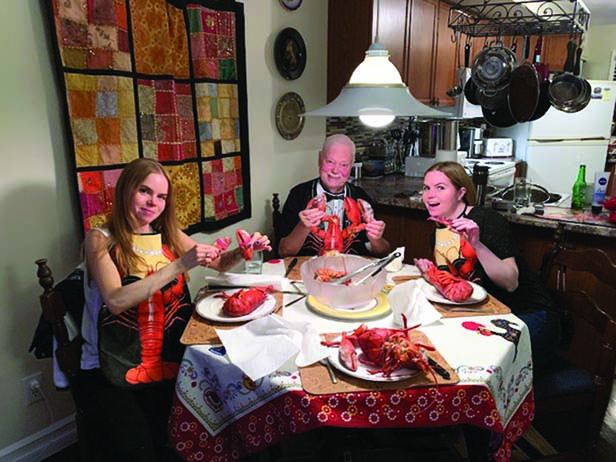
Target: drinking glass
{"x":521,"y":192}
{"x":255,"y":265}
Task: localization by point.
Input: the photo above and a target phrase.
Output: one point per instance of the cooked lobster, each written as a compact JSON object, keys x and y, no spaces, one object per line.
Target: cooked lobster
{"x":466,"y":253}
{"x":244,"y":301}
{"x":248,"y":244}
{"x":452,"y":287}
{"x":328,"y":275}
{"x":334,"y":239}
{"x":387,"y":349}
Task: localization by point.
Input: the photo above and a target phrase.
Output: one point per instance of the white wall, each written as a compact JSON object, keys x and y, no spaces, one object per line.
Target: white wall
{"x":599,"y":43}
{"x":38,"y":206}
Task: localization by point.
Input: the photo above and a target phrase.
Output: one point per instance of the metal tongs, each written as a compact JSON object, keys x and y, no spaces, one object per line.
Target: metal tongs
{"x":378,"y":264}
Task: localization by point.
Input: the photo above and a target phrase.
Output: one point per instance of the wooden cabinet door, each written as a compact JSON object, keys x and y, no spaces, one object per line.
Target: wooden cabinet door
{"x":393,"y":32}
{"x":446,"y":62}
{"x":349,"y":34}
{"x":420,"y":75}
{"x":555,"y":51}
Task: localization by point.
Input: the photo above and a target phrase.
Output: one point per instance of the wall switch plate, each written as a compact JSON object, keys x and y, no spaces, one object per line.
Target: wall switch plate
{"x":32,"y":388}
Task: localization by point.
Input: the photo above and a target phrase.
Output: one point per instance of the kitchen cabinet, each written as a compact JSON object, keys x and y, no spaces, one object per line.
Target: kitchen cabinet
{"x":415,"y":32}
{"x":409,"y":228}
{"x":349,"y":34}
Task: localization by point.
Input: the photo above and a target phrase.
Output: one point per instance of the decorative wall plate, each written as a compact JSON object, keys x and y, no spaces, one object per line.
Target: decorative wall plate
{"x":291,"y":4}
{"x":290,"y":53}
{"x":289,"y":118}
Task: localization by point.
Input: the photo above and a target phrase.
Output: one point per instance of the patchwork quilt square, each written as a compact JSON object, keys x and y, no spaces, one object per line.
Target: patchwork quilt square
{"x":148,"y":78}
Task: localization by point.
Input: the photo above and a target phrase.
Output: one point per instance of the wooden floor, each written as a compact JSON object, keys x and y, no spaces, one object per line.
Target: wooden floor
{"x":428,"y":446}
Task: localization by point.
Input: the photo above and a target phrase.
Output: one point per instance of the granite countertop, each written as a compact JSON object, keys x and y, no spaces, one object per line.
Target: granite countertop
{"x":402,"y":191}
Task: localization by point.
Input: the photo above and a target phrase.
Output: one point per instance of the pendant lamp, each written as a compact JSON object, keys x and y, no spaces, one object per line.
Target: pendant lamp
{"x":376,"y":93}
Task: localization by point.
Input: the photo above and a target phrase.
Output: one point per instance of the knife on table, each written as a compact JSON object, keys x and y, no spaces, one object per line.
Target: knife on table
{"x":440,"y":370}
{"x":290,"y":267}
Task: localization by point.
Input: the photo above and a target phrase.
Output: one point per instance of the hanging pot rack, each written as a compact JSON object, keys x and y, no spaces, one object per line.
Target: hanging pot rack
{"x":497,"y":18}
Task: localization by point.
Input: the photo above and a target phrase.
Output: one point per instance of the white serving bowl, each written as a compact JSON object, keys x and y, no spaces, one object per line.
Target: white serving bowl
{"x":342,"y":296}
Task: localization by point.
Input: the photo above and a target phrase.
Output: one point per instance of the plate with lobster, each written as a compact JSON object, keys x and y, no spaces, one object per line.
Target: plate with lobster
{"x":368,"y":372}
{"x":230,"y":305}
{"x":478,"y":295}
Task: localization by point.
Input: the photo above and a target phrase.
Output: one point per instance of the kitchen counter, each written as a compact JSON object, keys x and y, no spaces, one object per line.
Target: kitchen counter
{"x":402,"y":191}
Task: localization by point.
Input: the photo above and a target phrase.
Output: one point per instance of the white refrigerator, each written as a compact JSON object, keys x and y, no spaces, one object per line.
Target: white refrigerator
{"x":555,"y":145}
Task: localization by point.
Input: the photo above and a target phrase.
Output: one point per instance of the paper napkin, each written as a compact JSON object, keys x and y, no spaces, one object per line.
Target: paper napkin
{"x":264,"y":345}
{"x":245,"y":280}
{"x":408,"y":298}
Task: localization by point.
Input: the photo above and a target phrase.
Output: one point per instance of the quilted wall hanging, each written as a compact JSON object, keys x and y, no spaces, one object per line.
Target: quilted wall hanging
{"x":159,"y":79}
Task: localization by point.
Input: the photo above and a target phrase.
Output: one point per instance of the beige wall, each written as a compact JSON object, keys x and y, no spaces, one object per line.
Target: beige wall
{"x":37,"y":204}
{"x":598,"y":46}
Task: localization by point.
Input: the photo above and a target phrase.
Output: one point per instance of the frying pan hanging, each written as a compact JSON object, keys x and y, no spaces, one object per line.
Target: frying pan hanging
{"x":566,"y":87}
{"x":470,"y":92}
{"x":493,"y":66}
{"x":543,"y":102}
{"x":523,"y":92}
{"x":500,"y":117}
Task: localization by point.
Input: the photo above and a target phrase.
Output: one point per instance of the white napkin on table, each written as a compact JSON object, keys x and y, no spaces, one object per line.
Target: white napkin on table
{"x":264,"y":345}
{"x":245,"y":280}
{"x":408,"y":298}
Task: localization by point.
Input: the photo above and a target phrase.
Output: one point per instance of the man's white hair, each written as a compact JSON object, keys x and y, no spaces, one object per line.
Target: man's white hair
{"x":335,"y":140}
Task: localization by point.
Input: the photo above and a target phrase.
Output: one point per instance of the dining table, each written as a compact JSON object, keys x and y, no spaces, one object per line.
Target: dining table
{"x":481,"y":350}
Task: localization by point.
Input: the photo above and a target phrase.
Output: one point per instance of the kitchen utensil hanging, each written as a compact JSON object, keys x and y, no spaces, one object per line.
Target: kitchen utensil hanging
{"x":543,"y":102}
{"x":500,"y":117}
{"x":493,"y":66}
{"x":567,"y":90}
{"x":523,"y":92}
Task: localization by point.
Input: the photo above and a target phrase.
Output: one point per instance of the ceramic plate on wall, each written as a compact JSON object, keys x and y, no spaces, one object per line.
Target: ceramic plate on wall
{"x":290,"y":53}
{"x":291,"y":4}
{"x":289,"y":118}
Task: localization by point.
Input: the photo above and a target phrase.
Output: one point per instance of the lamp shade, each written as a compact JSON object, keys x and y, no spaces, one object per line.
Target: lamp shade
{"x":376,"y":92}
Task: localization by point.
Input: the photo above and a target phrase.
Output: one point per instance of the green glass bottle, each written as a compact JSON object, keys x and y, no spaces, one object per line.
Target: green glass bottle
{"x":578,"y":194}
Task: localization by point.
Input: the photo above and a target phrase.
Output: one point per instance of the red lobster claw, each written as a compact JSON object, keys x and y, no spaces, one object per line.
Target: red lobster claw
{"x":318,"y":202}
{"x":222,"y":243}
{"x":244,"y":242}
{"x":367,"y":213}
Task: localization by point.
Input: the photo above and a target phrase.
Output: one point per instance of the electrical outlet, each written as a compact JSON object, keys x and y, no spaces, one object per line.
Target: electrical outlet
{"x":32,"y":388}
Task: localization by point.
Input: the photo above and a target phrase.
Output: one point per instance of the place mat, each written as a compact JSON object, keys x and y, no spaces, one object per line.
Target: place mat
{"x":201,"y":331}
{"x":489,"y":306}
{"x":315,"y":378}
{"x":295,"y":274}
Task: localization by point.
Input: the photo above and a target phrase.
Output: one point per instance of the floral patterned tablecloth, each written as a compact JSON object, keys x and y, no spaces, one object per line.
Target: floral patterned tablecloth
{"x":219,"y":414}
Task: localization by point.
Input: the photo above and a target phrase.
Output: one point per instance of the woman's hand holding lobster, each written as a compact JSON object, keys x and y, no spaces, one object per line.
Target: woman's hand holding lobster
{"x":201,"y":254}
{"x":468,"y":229}
{"x":260,"y":242}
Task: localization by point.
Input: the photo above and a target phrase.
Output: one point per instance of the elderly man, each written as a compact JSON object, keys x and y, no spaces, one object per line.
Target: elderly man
{"x":304,"y":229}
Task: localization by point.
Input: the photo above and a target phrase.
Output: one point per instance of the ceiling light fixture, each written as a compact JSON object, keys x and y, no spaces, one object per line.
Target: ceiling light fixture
{"x":376,"y":93}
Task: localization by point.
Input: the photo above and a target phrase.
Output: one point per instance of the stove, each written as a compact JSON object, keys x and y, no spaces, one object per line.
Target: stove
{"x":500,"y":173}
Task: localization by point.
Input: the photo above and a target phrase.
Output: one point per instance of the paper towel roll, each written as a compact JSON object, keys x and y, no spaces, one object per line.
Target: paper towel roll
{"x":444,"y":155}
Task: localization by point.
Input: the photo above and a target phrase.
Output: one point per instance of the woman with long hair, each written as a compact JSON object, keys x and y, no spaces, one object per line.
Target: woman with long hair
{"x":137,"y":306}
{"x":493,"y":260}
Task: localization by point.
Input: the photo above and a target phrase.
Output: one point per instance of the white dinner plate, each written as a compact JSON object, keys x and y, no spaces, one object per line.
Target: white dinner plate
{"x":363,"y":373}
{"x":479,"y":294}
{"x":211,"y":308}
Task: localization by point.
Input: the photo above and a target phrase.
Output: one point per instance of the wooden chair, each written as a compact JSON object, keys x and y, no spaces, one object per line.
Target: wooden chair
{"x":277,"y":223}
{"x":572,"y":393}
{"x":68,"y":351}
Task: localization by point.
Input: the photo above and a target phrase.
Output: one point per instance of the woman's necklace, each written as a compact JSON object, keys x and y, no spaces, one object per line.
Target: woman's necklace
{"x":452,"y":240}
